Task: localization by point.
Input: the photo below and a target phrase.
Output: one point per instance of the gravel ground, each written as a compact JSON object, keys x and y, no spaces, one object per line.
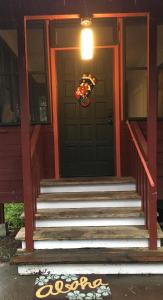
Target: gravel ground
{"x":8,"y":247}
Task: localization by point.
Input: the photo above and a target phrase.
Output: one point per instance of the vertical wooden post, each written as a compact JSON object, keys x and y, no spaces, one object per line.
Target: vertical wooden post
{"x":47,"y":47}
{"x":2,"y":217}
{"x":117,"y":125}
{"x":121,"y":63}
{"x":55,"y":114}
{"x":121,"y":84}
{"x":152,"y":122}
{"x":25,"y":134}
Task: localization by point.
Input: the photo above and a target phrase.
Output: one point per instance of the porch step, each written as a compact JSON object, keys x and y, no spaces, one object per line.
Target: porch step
{"x":91,"y":237}
{"x":87,"y":255}
{"x":88,"y":199}
{"x":88,"y":261}
{"x":89,"y":217}
{"x":88,"y":184}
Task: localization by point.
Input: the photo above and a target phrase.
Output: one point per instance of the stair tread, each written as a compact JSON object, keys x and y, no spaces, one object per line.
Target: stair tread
{"x":88,"y":196}
{"x":88,"y":233}
{"x":87,"y":255}
{"x":86,"y":181}
{"x":83,"y":213}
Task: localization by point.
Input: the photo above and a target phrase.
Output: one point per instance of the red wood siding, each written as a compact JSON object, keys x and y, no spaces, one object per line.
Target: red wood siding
{"x":10,"y":165}
{"x":10,"y":162}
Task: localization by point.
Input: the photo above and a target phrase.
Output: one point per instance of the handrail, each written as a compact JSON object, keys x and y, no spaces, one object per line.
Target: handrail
{"x":145,"y":184}
{"x":143,"y":161}
{"x":141,"y":138}
{"x":34,"y":139}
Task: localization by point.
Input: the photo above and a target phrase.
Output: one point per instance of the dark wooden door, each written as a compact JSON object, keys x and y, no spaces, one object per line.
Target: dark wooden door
{"x":86,"y":135}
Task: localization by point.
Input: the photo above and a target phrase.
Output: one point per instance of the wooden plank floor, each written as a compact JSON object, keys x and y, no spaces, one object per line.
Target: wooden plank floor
{"x":91,"y":256}
{"x":89,"y":196}
{"x":87,"y":181}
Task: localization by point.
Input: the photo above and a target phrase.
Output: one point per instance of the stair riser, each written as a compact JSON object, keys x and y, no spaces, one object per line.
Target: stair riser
{"x":87,"y":204}
{"x":89,"y":188}
{"x":90,"y":222}
{"x":77,"y":244}
{"x":124,"y":268}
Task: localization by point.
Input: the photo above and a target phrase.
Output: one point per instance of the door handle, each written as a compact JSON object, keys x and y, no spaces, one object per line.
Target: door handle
{"x":110,"y":120}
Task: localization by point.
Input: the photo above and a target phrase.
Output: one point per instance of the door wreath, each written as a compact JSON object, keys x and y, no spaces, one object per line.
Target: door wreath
{"x":84,"y":90}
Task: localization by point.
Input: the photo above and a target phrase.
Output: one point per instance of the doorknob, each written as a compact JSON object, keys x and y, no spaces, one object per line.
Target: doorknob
{"x":110,"y":120}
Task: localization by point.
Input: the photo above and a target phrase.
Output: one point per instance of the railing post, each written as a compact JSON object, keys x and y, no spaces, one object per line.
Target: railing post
{"x":152,"y":98}
{"x":152,"y":121}
{"x":25,"y":134}
{"x":152,"y":221}
{"x":2,"y":218}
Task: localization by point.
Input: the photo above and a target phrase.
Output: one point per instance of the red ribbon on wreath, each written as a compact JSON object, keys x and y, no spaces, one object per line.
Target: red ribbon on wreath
{"x":83,"y":92}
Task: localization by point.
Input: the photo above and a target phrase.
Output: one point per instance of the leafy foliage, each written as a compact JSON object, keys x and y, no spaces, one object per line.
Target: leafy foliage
{"x":13,"y":213}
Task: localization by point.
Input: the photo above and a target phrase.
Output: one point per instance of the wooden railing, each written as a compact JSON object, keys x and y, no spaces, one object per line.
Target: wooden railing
{"x":138,"y":168}
{"x":36,"y":162}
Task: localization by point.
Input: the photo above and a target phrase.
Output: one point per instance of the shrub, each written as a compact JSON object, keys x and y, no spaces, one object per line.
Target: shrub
{"x":13,"y":213}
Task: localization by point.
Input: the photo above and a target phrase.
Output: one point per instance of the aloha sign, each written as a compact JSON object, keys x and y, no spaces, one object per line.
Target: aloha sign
{"x":71,"y":287}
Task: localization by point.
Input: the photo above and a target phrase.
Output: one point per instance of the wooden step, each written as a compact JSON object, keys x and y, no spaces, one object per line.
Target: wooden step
{"x":88,"y":213}
{"x":87,"y":184}
{"x":88,"y":233}
{"x":88,"y":200}
{"x":86,"y":181}
{"x":87,"y":256}
{"x":89,"y":237}
{"x":89,"y":217}
{"x":89,"y":196}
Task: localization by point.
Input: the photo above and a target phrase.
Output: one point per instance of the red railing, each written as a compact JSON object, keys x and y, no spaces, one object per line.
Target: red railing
{"x":36,"y":162}
{"x":138,"y":168}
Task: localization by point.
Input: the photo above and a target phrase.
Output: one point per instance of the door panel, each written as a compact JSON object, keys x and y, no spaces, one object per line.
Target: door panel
{"x":86,"y":136}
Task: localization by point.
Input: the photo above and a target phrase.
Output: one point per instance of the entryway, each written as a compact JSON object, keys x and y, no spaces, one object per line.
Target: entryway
{"x":85,"y":137}
{"x":85,"y":133}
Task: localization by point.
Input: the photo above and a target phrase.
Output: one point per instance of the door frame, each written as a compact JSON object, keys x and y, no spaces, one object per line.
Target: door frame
{"x":116,"y":105}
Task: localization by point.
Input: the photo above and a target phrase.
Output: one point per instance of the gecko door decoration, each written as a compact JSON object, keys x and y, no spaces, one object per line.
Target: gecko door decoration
{"x":84,"y":91}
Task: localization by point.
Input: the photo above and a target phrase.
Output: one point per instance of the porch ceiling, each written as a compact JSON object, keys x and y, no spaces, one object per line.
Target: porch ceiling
{"x":39,"y":7}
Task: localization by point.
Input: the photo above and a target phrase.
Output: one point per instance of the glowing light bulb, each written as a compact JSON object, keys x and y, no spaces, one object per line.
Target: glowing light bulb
{"x":87,"y":43}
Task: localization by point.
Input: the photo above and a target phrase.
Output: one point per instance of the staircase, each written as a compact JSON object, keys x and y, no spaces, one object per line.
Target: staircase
{"x":89,"y":225}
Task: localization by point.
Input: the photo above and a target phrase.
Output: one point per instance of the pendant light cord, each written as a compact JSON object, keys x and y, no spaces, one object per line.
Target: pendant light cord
{"x":85,"y":8}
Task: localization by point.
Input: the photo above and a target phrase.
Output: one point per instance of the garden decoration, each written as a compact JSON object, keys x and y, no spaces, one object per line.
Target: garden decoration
{"x":84,"y":91}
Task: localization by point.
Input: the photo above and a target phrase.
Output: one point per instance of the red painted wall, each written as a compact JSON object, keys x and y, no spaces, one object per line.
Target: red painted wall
{"x":10,"y":165}
{"x":10,"y":162}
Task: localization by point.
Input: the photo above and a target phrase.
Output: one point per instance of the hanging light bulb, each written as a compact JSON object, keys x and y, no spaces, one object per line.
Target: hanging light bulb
{"x":87,"y":41}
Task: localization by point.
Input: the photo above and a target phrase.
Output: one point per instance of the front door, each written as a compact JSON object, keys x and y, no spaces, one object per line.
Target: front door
{"x":86,"y":134}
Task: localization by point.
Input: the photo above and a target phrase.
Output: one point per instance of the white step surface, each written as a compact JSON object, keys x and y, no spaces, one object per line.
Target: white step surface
{"x":123,"y":268}
{"x":90,"y":222}
{"x":89,"y":188}
{"x":98,"y":243}
{"x":87,"y":204}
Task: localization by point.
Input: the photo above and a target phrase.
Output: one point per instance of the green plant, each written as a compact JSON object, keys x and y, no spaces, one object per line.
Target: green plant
{"x":13,"y":213}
